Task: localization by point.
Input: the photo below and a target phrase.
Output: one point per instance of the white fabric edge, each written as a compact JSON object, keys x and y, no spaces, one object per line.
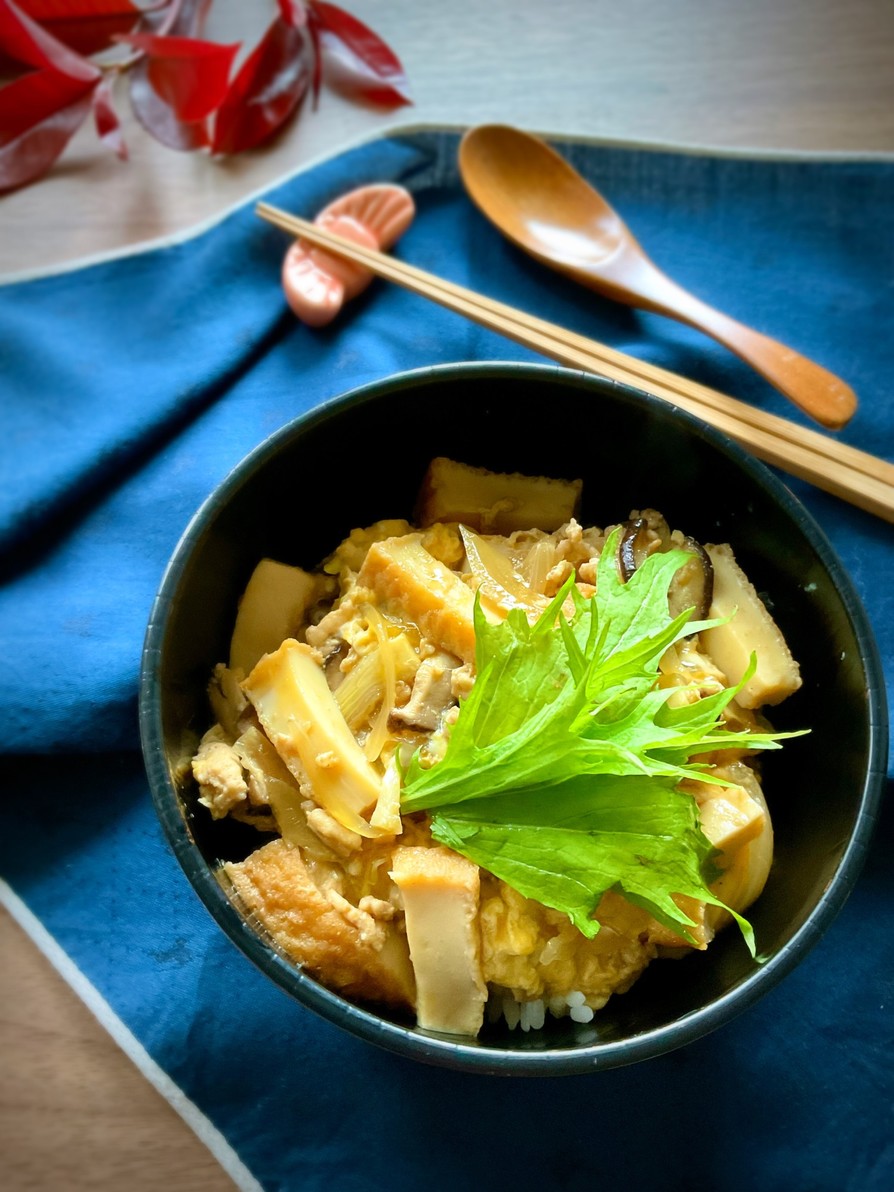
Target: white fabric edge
{"x":200,"y":1125}
{"x":182,"y":235}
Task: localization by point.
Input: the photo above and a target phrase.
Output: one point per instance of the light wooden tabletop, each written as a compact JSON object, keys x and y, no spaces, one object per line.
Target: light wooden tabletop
{"x":771,"y":74}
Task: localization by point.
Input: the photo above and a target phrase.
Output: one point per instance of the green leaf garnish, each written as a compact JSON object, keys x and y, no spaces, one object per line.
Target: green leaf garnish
{"x":561,"y":773}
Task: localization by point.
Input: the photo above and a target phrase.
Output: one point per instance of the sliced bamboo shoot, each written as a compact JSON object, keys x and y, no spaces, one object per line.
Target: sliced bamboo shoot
{"x":728,"y":816}
{"x":750,"y":630}
{"x":272,"y":608}
{"x":748,"y":867}
{"x":277,"y":786}
{"x":300,"y":716}
{"x":440,"y":892}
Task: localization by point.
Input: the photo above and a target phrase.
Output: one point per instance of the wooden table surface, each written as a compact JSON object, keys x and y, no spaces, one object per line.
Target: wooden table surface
{"x":770,"y":74}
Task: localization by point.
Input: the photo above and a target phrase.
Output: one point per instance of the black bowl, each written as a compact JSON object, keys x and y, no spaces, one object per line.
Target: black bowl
{"x":361,"y":458}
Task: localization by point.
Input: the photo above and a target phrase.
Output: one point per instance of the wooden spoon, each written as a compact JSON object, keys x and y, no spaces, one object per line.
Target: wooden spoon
{"x":536,"y":199}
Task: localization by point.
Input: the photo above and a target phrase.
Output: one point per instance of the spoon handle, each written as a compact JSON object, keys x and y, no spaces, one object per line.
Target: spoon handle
{"x":811,"y":387}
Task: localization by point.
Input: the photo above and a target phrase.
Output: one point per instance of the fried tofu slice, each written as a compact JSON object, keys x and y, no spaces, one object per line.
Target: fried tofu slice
{"x":440,"y":893}
{"x":495,"y":502}
{"x":341,"y":945}
{"x":406,"y":578}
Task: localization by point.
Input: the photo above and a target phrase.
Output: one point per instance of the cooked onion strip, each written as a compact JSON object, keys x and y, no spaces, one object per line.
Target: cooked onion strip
{"x":378,"y":734}
{"x":500,"y":585}
{"x":386,"y":814}
{"x":538,"y":563}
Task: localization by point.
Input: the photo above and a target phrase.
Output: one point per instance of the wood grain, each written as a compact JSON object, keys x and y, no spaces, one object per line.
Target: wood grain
{"x":770,"y":74}
{"x":74,"y":1111}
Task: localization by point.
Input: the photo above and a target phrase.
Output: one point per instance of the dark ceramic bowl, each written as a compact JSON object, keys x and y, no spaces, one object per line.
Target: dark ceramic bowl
{"x":632,"y":451}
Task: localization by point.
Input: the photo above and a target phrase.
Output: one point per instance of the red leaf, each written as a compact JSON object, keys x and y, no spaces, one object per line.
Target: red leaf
{"x":76,"y":10}
{"x":356,"y":60}
{"x":293,"y":13}
{"x":93,"y":36}
{"x":267,"y":90}
{"x":86,"y":26}
{"x":108,"y":126}
{"x":313,"y":28}
{"x":157,"y":116}
{"x":23,"y":40}
{"x":39,"y":114}
{"x":183,"y":18}
{"x":189,"y":74}
{"x":180,"y":18}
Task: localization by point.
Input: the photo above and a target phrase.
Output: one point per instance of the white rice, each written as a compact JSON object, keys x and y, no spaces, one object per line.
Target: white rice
{"x":512,"y":1011}
{"x":531,"y":1015}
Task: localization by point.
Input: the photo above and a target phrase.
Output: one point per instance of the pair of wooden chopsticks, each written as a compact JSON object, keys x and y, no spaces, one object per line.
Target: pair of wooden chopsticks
{"x":855,"y":476}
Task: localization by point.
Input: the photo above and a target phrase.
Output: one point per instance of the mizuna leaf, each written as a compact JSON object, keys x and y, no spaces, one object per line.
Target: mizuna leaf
{"x":191,"y":75}
{"x":560,"y":773}
{"x":108,"y":126}
{"x":23,"y":40}
{"x":39,"y":114}
{"x":356,"y":60}
{"x":634,"y":834}
{"x":267,"y":90}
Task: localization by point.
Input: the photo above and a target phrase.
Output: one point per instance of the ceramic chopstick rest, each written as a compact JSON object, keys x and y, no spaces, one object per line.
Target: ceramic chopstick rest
{"x":316,"y":283}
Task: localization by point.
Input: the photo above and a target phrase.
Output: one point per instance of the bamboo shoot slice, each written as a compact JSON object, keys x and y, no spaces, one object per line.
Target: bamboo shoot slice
{"x":751,"y":629}
{"x":272,"y":608}
{"x":440,"y":892}
{"x":304,"y":723}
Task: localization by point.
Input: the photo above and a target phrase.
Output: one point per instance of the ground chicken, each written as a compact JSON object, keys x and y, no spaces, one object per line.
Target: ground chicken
{"x":217,"y":770}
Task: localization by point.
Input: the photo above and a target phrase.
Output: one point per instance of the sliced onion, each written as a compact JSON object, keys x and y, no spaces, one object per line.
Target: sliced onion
{"x":378,"y":734}
{"x":499,"y":583}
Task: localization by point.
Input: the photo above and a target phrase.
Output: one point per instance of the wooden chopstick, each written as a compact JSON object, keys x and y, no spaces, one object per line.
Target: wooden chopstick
{"x":855,"y":476}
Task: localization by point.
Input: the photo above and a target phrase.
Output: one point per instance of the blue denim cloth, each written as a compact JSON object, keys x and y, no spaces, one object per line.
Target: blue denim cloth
{"x":128,"y":389}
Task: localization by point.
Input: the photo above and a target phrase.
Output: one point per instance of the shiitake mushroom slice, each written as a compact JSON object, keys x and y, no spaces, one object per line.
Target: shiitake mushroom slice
{"x":693,"y":584}
{"x":633,"y":547}
{"x":645,"y":532}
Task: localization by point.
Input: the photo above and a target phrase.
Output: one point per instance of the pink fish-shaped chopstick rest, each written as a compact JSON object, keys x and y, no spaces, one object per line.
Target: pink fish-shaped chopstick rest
{"x":316,"y":283}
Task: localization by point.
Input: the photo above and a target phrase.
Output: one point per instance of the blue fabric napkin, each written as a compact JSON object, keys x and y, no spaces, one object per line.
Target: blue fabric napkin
{"x":129,"y":388}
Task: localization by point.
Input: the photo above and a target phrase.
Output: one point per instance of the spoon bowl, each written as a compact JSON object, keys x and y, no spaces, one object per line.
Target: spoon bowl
{"x":546,"y":208}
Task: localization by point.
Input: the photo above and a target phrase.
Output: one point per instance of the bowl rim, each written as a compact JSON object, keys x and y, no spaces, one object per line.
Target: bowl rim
{"x":472,"y":1055}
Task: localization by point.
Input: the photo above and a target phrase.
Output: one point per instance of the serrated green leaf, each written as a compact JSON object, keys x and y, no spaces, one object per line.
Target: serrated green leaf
{"x":561,"y":772}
